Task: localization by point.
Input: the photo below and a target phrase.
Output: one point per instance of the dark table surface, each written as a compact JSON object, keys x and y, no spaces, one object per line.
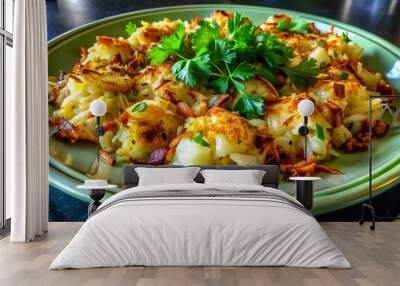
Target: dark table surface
{"x":381,"y":17}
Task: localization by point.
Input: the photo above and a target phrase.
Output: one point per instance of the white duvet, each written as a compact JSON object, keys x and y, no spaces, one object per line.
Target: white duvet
{"x":200,"y":231}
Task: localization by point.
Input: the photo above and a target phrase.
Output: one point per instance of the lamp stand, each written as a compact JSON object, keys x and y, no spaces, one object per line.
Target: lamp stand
{"x":96,"y":195}
{"x":370,"y":205}
{"x":303,"y":131}
{"x":99,"y":132}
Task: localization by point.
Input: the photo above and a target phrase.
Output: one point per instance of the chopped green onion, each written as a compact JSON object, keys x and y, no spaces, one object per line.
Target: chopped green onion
{"x":140,"y":107}
{"x":320,"y":132}
{"x":343,"y":75}
{"x":345,"y":37}
{"x":200,"y":140}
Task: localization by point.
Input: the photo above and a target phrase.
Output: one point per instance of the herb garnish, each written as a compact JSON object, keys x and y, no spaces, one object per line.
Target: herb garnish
{"x":199,"y":139}
{"x":140,"y":107}
{"x":345,"y":37}
{"x":343,"y":75}
{"x":320,"y":132}
{"x":130,"y":28}
{"x":304,"y":74}
{"x":295,"y":26}
{"x":225,"y":63}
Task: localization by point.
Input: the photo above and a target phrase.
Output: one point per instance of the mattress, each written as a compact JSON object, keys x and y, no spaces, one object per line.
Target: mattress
{"x":201,"y":225}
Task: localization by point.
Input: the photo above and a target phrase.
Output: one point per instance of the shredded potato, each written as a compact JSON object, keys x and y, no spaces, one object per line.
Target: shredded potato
{"x":154,"y":118}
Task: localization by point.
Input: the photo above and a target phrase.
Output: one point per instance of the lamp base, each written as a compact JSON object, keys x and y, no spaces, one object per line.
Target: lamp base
{"x":305,"y":193}
{"x":372,"y":210}
{"x":96,"y":195}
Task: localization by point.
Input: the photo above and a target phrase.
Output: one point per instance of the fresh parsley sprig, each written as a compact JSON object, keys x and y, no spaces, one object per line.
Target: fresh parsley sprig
{"x":304,"y":74}
{"x":169,"y":46}
{"x":234,"y":76}
{"x":298,"y":25}
{"x":225,"y":63}
{"x":274,"y":51}
{"x":250,"y":105}
{"x":130,"y":28}
{"x":199,"y":139}
{"x":188,"y":69}
{"x":203,"y":36}
{"x":345,"y":37}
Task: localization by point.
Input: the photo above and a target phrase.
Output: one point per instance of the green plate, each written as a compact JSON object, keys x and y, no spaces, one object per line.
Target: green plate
{"x":70,"y":162}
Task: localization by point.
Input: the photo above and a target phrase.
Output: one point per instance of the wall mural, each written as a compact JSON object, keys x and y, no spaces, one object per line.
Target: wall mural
{"x":223,"y":89}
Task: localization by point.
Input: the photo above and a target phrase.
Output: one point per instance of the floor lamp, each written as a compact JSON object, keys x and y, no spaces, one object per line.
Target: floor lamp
{"x":369,"y":205}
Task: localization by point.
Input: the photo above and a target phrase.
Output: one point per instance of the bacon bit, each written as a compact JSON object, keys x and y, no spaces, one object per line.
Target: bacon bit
{"x":312,"y":28}
{"x":380,"y":128}
{"x":107,"y":157}
{"x":157,"y":157}
{"x":124,"y":117}
{"x":353,"y":145}
{"x":383,"y":88}
{"x":339,"y":90}
{"x":117,"y":59}
{"x":55,"y":120}
{"x":336,"y":114}
{"x":221,"y":100}
{"x":184,"y":109}
{"x":178,"y":139}
{"x":109,"y":125}
{"x":66,"y":130}
{"x":105,"y":40}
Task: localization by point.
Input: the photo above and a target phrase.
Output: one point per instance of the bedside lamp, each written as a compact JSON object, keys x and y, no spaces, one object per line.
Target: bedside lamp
{"x":98,"y":108}
{"x":305,"y":108}
{"x":304,"y":185}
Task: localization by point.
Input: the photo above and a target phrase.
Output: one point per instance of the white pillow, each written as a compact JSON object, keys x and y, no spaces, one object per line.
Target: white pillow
{"x":164,"y":176}
{"x":248,"y":177}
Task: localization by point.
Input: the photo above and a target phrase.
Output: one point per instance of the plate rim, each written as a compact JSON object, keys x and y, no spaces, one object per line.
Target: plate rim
{"x":320,"y":195}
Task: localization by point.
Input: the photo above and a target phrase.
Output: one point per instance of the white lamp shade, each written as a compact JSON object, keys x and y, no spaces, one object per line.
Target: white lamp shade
{"x":305,"y":107}
{"x":98,"y":107}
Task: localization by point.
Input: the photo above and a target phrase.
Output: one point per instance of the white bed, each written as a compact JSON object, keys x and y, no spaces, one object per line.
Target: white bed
{"x":260,"y":227}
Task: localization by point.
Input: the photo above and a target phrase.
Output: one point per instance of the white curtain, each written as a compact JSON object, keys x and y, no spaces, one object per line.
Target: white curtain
{"x":27,"y":127}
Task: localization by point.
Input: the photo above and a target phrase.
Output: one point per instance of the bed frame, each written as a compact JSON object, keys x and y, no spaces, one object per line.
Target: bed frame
{"x":271,"y":177}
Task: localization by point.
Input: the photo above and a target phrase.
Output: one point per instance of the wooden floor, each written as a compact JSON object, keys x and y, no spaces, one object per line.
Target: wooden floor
{"x":375,"y":257}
